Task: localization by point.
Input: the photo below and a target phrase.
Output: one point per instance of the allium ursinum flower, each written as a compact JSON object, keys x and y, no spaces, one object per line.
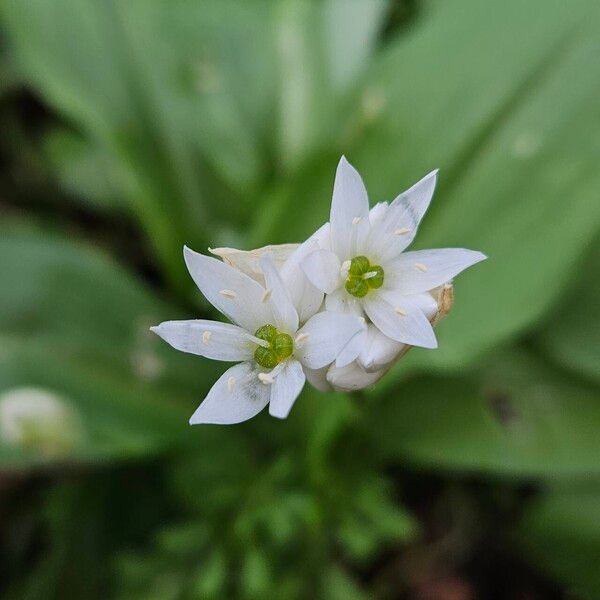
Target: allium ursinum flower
{"x":265,"y":338}
{"x":363,"y":268}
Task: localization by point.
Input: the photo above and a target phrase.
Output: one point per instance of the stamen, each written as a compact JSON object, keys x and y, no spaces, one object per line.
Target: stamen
{"x":267,"y":294}
{"x":402,"y":231}
{"x":356,"y":220}
{"x":206,"y":335}
{"x":231,"y":384}
{"x":421,"y":267}
{"x":228,"y":293}
{"x":301,"y":337}
{"x":400,"y":311}
{"x":370,"y":275}
{"x":266,"y":378}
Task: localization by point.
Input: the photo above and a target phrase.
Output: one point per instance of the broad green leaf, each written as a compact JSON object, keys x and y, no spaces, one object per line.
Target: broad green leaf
{"x":561,"y":532}
{"x":82,"y":169}
{"x":508,"y":123}
{"x":176,"y":94}
{"x":571,"y":335}
{"x":322,"y":48}
{"x":476,"y":92}
{"x":517,"y":417}
{"x":75,"y":325}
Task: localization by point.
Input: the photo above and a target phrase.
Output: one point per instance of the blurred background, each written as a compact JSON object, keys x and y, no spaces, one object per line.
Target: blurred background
{"x":131,"y":128}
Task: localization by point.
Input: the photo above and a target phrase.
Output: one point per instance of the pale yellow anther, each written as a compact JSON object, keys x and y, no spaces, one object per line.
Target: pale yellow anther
{"x":267,"y":294}
{"x":265,"y":378}
{"x":402,"y":231}
{"x":356,"y":220}
{"x":206,"y":337}
{"x":400,"y":311}
{"x":370,"y":274}
{"x":421,"y":267}
{"x":228,"y":294}
{"x":231,"y":384}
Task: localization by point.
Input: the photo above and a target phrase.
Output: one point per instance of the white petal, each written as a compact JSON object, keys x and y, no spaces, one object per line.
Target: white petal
{"x":423,"y":270}
{"x":237,"y":396}
{"x":352,"y":377}
{"x":322,"y":236}
{"x":323,"y":270}
{"x":401,"y":317}
{"x":342,"y":301}
{"x":247,"y":260}
{"x":324,"y":336}
{"x":378,"y":350}
{"x":285,"y":389}
{"x":377,"y":213}
{"x":398,"y":229}
{"x":352,"y":349}
{"x":276,"y":295}
{"x":214,"y":340}
{"x":232,"y":292}
{"x":349,"y":217}
{"x":306,"y":297}
{"x":318,"y":378}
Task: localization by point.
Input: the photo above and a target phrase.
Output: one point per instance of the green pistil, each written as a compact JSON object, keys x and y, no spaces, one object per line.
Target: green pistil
{"x":362,"y":277}
{"x":280,"y":347}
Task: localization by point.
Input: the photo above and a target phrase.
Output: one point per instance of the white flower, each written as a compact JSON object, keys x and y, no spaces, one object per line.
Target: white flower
{"x":273,"y":350}
{"x":39,"y":420}
{"x":362,"y":268}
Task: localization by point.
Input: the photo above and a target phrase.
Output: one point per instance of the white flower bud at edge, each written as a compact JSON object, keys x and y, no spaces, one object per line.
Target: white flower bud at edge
{"x":39,"y":421}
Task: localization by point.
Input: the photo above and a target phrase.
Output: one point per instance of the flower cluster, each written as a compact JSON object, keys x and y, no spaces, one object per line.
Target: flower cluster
{"x":338,"y":309}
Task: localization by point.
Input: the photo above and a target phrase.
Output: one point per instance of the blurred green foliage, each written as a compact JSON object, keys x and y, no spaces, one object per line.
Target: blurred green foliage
{"x":219,"y":122}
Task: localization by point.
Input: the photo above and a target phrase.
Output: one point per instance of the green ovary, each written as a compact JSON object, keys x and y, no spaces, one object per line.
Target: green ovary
{"x":281,"y":346}
{"x":362,"y":277}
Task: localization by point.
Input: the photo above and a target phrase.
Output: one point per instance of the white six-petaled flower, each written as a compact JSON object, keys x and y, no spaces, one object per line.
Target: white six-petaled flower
{"x":363,"y":269}
{"x":266,"y":339}
{"x":337,"y":310}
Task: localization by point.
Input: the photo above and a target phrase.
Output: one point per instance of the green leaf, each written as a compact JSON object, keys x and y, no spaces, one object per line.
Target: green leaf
{"x":477,"y":96}
{"x":82,"y":169}
{"x":177,"y":96}
{"x":517,"y":417}
{"x":561,"y":532}
{"x":74,"y":325}
{"x":571,"y":335}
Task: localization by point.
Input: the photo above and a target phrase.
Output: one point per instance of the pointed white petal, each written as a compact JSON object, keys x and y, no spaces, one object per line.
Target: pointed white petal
{"x":322,"y":236}
{"x":276,"y":295}
{"x":306,"y":297}
{"x":423,"y":270}
{"x":318,"y":378}
{"x":352,"y":349}
{"x":377,"y":213}
{"x":285,"y":389}
{"x":342,"y":301}
{"x":324,"y":336}
{"x":378,"y":350}
{"x":323,"y":270}
{"x":401,"y":317}
{"x":349,"y":217}
{"x":211,"y":339}
{"x":352,"y":377}
{"x":397,"y":230}
{"x":247,"y":260}
{"x":238,"y":395}
{"x":232,"y":292}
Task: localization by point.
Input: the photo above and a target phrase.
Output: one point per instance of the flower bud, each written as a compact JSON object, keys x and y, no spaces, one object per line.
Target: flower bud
{"x":247,"y":261}
{"x":39,"y":421}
